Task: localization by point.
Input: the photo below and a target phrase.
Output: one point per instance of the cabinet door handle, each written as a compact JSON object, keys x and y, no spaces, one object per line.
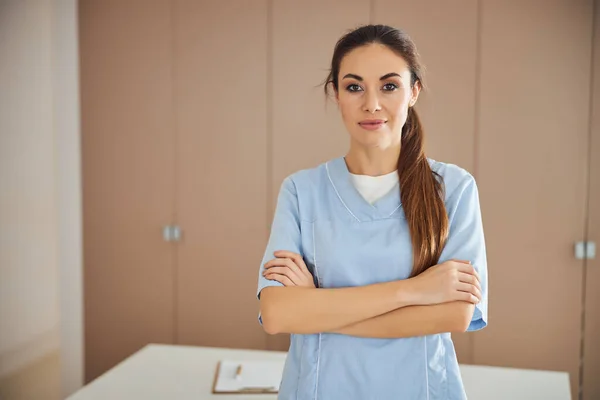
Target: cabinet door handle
{"x":171,"y":233}
{"x":176,"y":233}
{"x":585,"y":250}
{"x":590,"y":250}
{"x":167,"y":233}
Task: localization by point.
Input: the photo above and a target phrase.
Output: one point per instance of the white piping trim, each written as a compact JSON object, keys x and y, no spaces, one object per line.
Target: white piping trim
{"x":315,"y":255}
{"x":319,"y":281}
{"x":426,"y":368}
{"x":395,"y":209}
{"x":336,"y":192}
{"x":318,"y":363}
{"x":302,"y":351}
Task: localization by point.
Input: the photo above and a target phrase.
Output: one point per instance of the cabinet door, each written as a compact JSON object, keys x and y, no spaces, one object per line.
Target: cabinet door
{"x":532,"y":162}
{"x":306,"y":129}
{"x":591,"y":345}
{"x":221,"y":72}
{"x":128,"y":166}
{"x":446,"y":36}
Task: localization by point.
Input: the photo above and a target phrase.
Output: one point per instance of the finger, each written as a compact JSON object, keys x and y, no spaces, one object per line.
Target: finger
{"x":295,"y":272}
{"x":284,"y":271}
{"x":468,"y":269}
{"x":462,"y":261}
{"x":297,"y":258}
{"x":468,"y":278}
{"x":284,"y":261}
{"x":299,"y":261}
{"x":291,"y":264}
{"x":280,"y":278}
{"x":465,"y":287}
{"x":274,"y":263}
{"x":468,"y":297}
{"x":285,"y":253}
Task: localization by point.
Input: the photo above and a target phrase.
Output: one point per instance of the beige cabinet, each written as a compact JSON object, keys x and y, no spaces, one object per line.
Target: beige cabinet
{"x":174,"y":111}
{"x":532,"y":152}
{"x":128,"y":163}
{"x":193,"y":112}
{"x":591,"y":282}
{"x":220,"y":96}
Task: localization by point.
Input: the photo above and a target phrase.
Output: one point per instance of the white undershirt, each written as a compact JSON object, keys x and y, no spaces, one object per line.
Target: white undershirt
{"x":373,"y":188}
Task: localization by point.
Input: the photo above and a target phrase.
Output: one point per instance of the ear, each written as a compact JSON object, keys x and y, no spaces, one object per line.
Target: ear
{"x":416,"y":89}
{"x":333,"y":94}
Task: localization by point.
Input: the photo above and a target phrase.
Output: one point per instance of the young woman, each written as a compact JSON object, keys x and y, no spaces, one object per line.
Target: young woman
{"x":375,"y":257}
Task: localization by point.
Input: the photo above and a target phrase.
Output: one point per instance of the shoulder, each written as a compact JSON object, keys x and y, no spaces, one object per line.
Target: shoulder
{"x":456,"y":179}
{"x":308,"y":188}
{"x":308,"y":178}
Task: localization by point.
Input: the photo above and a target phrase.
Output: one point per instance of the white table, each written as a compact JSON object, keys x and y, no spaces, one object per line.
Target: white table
{"x":496,"y":383}
{"x":187,"y":373}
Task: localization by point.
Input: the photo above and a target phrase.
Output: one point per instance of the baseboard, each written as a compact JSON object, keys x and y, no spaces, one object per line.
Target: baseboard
{"x":28,"y":353}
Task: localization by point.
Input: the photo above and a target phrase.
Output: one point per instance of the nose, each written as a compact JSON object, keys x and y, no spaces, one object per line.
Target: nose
{"x":371,"y":102}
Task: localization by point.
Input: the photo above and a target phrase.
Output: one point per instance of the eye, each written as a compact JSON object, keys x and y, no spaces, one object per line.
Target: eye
{"x":390,"y":87}
{"x":353,"y":88}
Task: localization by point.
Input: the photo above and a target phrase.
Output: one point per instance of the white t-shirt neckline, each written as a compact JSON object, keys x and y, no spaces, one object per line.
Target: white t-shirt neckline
{"x":373,"y":188}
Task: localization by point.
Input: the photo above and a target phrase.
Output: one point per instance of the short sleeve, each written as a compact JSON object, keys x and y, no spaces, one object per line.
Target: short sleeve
{"x":285,"y":231}
{"x":466,"y":241}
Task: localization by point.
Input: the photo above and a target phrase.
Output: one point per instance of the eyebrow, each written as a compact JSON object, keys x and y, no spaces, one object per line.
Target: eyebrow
{"x":360,"y":79}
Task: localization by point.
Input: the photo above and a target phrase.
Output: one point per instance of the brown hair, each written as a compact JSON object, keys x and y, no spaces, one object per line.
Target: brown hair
{"x":421,"y":189}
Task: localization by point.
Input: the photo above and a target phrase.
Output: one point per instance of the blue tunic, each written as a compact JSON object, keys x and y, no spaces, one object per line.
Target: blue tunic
{"x":345,"y":241}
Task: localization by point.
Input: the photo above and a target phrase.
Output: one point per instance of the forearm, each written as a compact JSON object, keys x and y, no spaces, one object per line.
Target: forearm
{"x":303,"y":310}
{"x":414,"y":321}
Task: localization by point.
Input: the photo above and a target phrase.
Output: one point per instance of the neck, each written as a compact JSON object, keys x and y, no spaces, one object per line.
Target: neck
{"x":372,"y":161}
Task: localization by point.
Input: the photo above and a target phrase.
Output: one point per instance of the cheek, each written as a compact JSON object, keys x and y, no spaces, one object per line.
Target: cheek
{"x":347,"y":107}
{"x":398,"y":109}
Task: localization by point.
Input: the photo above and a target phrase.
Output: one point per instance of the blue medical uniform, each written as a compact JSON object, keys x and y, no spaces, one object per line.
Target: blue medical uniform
{"x":345,"y":241}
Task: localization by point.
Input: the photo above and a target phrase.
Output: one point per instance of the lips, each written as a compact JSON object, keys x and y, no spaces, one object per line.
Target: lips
{"x":372,"y":124}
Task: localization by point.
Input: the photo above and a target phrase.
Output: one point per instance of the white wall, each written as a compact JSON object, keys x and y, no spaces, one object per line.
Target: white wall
{"x":28,"y":212}
{"x":40,"y":190}
{"x":67,"y":135}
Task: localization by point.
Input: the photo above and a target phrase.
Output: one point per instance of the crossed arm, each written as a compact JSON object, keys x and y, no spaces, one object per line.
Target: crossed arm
{"x":414,"y":321}
{"x":364,"y":312}
{"x":384,"y":310}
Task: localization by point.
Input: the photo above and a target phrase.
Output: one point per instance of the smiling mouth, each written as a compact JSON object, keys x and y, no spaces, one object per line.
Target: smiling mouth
{"x":372,"y":125}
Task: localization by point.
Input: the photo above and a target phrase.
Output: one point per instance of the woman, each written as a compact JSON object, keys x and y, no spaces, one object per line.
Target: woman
{"x":375,"y":257}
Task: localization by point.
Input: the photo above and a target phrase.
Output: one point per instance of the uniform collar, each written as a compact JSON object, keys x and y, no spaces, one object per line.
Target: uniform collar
{"x":339,"y":176}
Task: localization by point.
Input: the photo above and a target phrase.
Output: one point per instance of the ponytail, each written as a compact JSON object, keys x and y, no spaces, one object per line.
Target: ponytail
{"x":422,"y":196}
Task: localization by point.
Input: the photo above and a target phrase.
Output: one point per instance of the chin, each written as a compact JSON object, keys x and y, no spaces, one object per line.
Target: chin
{"x":375,"y":143}
{"x":373,"y":138}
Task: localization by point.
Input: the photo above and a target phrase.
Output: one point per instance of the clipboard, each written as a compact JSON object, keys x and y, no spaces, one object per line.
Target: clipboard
{"x":247,"y":377}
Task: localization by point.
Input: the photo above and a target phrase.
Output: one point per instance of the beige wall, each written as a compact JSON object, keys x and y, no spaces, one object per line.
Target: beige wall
{"x":28,"y":209}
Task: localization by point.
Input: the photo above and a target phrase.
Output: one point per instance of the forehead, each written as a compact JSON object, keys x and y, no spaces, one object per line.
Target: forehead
{"x":372,"y":61}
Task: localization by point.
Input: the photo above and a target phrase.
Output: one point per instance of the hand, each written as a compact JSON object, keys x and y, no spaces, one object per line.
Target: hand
{"x":452,"y":280}
{"x":289,"y":268}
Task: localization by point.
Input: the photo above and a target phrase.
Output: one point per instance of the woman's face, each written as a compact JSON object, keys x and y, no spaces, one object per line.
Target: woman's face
{"x":374,"y":94}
